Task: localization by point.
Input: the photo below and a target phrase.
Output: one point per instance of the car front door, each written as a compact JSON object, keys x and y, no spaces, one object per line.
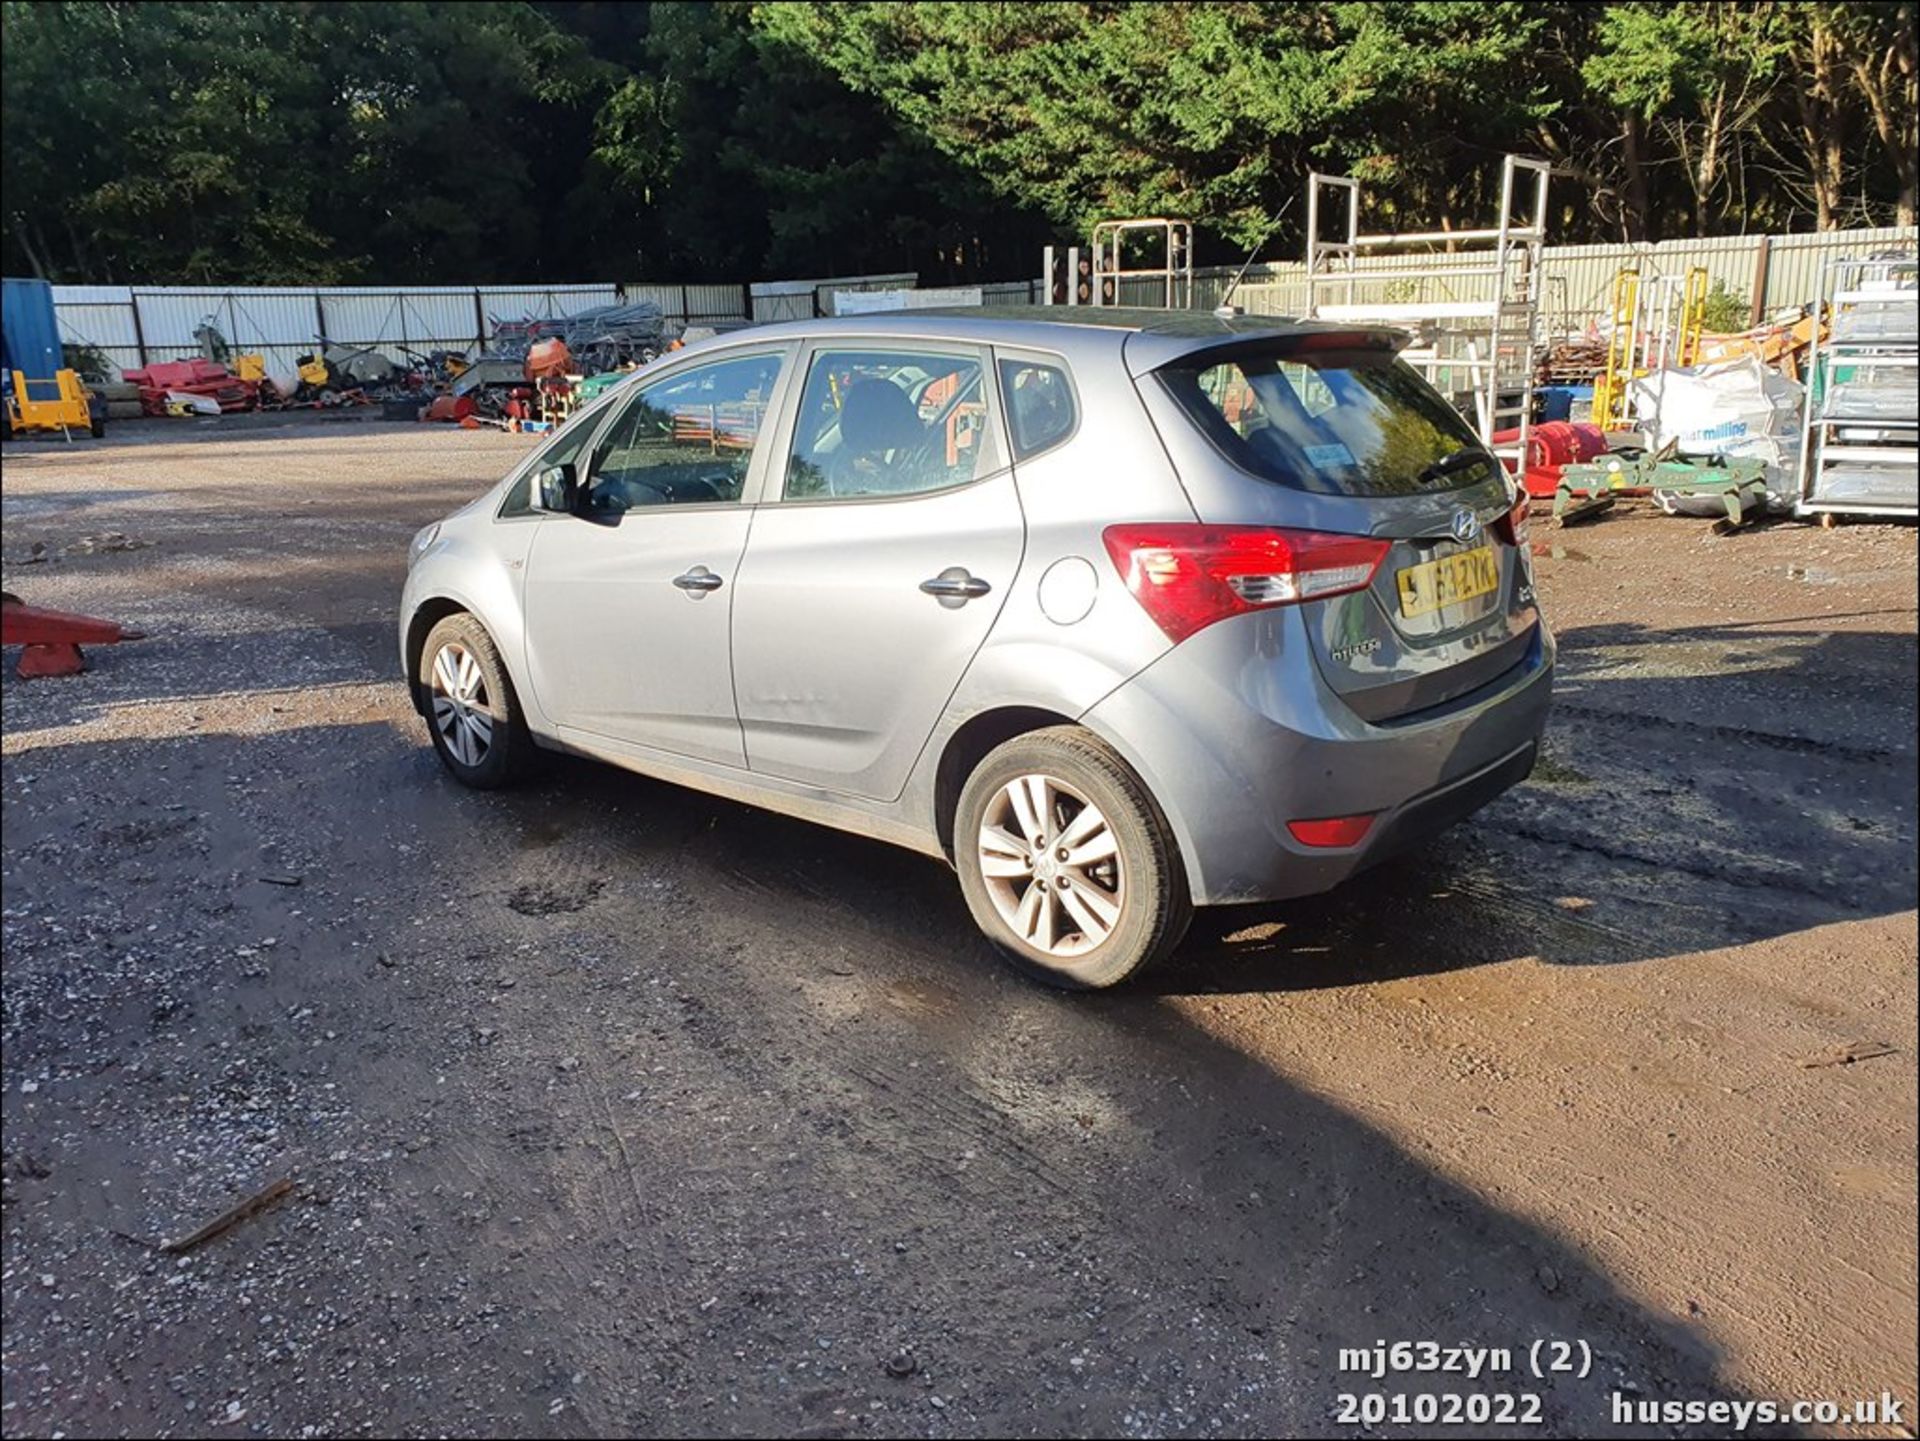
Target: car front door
{"x":628,"y":597}
{"x":890,"y":534}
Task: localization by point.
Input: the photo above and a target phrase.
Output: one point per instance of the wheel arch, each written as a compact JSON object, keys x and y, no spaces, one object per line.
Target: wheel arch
{"x":970,"y":744}
{"x":426,"y":616}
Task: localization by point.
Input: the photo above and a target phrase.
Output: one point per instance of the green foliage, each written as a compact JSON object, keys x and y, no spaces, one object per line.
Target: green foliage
{"x":1727,"y":311}
{"x":245,"y":140}
{"x":1212,"y":111}
{"x":282,"y":143}
{"x":88,"y":360}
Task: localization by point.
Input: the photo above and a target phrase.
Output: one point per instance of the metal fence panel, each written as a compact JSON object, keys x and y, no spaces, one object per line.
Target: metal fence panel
{"x":358,"y":318}
{"x":1577,"y":286}
{"x":1011,"y":292}
{"x":544,"y":302}
{"x":1793,"y":264}
{"x":247,"y":319}
{"x":448,"y":321}
{"x":1577,"y":280}
{"x":714,"y":302}
{"x":690,"y":303}
{"x":804,"y":299}
{"x":396,"y":321}
{"x":100,"y":316}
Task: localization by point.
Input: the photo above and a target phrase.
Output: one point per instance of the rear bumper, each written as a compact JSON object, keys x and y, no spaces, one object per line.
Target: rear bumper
{"x":1236,"y":733}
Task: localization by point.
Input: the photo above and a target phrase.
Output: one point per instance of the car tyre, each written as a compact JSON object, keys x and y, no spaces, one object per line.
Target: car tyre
{"x":1067,"y":862}
{"x":472,"y":713}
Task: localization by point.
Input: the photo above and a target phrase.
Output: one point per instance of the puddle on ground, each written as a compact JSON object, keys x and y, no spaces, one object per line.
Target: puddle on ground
{"x":1813,"y":574}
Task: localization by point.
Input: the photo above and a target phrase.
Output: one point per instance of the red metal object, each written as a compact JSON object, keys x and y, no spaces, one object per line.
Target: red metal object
{"x":52,"y":638}
{"x":192,"y":377}
{"x":1551,"y":445}
{"x":548,"y":358}
{"x":449,"y":407}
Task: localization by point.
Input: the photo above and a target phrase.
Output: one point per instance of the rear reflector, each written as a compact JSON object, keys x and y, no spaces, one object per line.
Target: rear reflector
{"x":1189,"y":576}
{"x":1333,"y":831}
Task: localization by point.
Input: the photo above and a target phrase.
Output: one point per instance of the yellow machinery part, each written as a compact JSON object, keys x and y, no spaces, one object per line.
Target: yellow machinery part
{"x":67,"y":411}
{"x":250,"y":367}
{"x":1610,"y":390}
{"x":1693,"y":316}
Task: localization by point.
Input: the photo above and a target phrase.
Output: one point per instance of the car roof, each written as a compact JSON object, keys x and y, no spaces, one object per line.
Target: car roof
{"x":1150,"y":338}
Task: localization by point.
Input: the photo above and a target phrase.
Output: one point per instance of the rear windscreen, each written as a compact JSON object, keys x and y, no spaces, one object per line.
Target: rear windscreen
{"x":1340,"y":422}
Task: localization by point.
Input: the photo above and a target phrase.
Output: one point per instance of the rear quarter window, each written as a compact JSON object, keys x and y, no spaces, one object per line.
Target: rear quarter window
{"x":1040,"y":406}
{"x":1356,"y":421}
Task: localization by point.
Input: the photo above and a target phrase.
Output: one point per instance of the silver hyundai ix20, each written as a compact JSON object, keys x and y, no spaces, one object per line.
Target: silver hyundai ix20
{"x":1118,"y":612}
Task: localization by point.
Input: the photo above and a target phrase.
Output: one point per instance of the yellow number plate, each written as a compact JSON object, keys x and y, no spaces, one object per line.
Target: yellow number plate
{"x":1446,"y":581}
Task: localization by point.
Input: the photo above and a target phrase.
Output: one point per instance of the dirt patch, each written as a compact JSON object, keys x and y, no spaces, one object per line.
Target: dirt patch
{"x":614,"y":1109}
{"x":542,"y":898}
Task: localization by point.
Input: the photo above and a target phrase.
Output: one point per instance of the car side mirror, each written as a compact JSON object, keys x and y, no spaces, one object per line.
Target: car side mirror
{"x":555,"y":489}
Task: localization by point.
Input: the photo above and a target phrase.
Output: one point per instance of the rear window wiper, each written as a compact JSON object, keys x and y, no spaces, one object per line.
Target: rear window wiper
{"x":1448,"y":464}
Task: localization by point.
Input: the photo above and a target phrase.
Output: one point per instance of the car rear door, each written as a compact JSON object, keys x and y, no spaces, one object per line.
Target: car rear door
{"x":1330,"y":433}
{"x":628,"y":600}
{"x":877,"y":564}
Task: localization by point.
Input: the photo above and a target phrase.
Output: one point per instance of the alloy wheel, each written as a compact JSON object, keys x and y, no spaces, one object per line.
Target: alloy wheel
{"x":460,"y":708}
{"x":1051,"y":864}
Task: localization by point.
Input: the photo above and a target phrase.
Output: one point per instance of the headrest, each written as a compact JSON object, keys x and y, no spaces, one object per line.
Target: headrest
{"x":877,"y":416}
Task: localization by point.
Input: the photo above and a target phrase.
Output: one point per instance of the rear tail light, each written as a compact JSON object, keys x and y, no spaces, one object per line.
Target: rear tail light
{"x":1512,"y":527}
{"x":1332,"y":830}
{"x":1189,"y":576}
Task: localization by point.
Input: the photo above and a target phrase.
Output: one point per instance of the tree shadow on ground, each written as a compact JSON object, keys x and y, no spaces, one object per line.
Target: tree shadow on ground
{"x":912,"y":1150}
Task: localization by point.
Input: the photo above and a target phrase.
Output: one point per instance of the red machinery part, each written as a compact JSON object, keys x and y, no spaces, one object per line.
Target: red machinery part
{"x":192,"y":377}
{"x":52,"y":638}
{"x":1552,"y":444}
{"x":449,"y":407}
{"x":548,"y":357}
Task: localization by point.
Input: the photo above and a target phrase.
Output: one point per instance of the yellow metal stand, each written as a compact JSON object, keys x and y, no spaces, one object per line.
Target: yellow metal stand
{"x":66,"y":412}
{"x":1610,"y":390}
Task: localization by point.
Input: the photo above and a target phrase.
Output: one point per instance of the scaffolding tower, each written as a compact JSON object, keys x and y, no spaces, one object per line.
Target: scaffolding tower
{"x":1173,"y":277}
{"x":1471,"y":298}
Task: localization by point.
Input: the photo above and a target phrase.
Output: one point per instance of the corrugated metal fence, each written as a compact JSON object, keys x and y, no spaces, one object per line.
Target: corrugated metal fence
{"x":134,"y":325}
{"x":805,"y":299}
{"x":1772,"y":273}
{"x":691,"y":304}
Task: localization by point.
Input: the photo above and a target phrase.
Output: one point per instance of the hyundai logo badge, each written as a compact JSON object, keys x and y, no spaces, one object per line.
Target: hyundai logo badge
{"x":1466,"y":525}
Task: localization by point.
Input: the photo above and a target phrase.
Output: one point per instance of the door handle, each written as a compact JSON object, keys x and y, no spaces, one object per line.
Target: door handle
{"x":955,"y":587}
{"x":698,"y":581}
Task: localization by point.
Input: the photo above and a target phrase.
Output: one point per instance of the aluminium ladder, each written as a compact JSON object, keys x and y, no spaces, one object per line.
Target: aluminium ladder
{"x":1474,"y":308}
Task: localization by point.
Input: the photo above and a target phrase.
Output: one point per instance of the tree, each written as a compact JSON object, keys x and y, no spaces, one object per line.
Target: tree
{"x":243,"y":140}
{"x":1210,"y":112}
{"x":282,"y":143}
{"x":749,"y":157}
{"x":1876,"y":48}
{"x":165,"y":150}
{"x":1694,"y":76}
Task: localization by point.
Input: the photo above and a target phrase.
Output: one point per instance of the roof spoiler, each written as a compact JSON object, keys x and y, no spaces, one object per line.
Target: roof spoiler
{"x":1300,"y":337}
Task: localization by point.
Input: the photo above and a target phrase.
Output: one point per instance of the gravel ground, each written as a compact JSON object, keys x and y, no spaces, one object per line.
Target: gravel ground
{"x":613,"y":1108}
